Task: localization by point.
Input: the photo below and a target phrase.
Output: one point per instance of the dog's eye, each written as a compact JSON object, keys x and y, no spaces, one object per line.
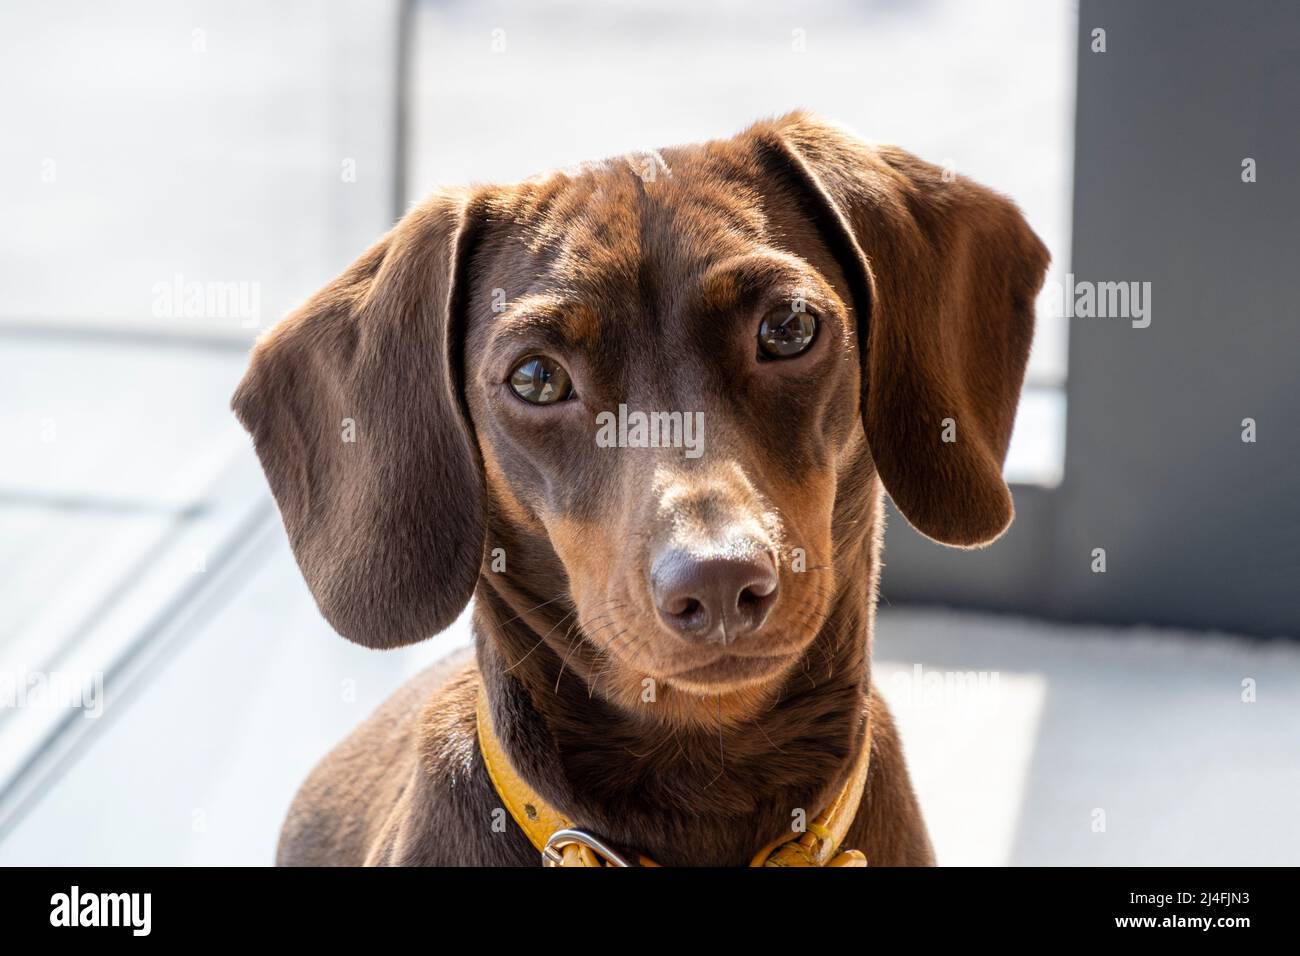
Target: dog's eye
{"x":541,"y":381}
{"x":786,"y":333}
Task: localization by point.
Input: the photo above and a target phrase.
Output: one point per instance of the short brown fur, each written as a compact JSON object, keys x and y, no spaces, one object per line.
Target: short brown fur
{"x":647,"y":274}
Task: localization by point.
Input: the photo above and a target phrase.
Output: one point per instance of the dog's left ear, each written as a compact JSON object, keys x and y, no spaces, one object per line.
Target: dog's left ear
{"x":356,"y":409}
{"x":943,"y":275}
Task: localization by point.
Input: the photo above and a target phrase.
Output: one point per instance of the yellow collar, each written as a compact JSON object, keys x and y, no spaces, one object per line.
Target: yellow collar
{"x":562,"y":844}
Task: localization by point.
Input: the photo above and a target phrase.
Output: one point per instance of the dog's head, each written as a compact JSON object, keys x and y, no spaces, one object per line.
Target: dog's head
{"x":647,"y":386}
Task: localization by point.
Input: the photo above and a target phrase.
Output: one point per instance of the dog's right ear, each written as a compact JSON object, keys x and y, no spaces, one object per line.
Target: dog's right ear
{"x":357,"y":412}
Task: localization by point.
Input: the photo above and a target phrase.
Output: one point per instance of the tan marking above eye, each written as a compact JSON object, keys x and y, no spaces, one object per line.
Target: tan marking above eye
{"x":547,"y":319}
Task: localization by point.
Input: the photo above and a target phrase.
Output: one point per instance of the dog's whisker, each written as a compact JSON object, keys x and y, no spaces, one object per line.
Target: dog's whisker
{"x":649,"y":753}
{"x":572,"y":647}
{"x":722,"y":749}
{"x":540,"y":642}
{"x":589,"y":633}
{"x":591,"y":687}
{"x":757,"y":723}
{"x":531,"y":610}
{"x":555,"y":627}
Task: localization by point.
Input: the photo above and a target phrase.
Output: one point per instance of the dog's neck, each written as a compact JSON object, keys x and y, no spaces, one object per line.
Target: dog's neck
{"x":703,"y":792}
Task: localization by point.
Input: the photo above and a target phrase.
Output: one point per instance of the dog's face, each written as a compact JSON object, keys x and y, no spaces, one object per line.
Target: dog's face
{"x":693,"y":524}
{"x":644,"y":387}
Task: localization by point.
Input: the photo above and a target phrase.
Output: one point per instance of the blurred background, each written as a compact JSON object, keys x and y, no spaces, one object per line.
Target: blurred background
{"x":1116,"y":681}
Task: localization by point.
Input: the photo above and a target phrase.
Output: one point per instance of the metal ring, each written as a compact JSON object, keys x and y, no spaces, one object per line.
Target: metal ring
{"x":551,"y":855}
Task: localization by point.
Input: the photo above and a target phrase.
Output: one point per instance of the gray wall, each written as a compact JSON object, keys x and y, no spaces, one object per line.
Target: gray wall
{"x":1200,"y":529}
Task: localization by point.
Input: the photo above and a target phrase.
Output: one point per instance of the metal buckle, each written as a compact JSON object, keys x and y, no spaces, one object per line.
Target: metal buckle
{"x":552,"y":855}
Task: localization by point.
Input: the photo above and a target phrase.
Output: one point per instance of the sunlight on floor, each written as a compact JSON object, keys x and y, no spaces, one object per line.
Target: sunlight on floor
{"x":969,"y":738}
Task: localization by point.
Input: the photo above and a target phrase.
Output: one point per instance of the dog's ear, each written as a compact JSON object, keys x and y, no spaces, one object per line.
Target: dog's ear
{"x":943,"y":275}
{"x":356,"y":409}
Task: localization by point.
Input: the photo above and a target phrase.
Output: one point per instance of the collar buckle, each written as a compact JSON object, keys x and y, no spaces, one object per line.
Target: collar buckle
{"x":597,"y":851}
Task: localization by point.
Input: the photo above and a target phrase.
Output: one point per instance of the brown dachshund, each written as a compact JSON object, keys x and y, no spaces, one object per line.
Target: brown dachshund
{"x":643,"y":411}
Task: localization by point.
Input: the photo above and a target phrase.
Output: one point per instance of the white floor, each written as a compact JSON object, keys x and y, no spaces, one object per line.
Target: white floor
{"x":1096,"y":746}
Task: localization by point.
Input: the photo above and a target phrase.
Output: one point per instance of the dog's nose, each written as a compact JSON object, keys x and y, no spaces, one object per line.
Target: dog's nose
{"x":714,"y":599}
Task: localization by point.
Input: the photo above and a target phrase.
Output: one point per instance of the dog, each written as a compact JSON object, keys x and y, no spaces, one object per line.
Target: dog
{"x":674,"y":650}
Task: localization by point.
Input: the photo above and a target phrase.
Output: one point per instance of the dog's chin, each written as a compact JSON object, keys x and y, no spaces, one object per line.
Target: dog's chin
{"x":697,"y":687}
{"x":729,"y":672}
{"x":736,"y":678}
